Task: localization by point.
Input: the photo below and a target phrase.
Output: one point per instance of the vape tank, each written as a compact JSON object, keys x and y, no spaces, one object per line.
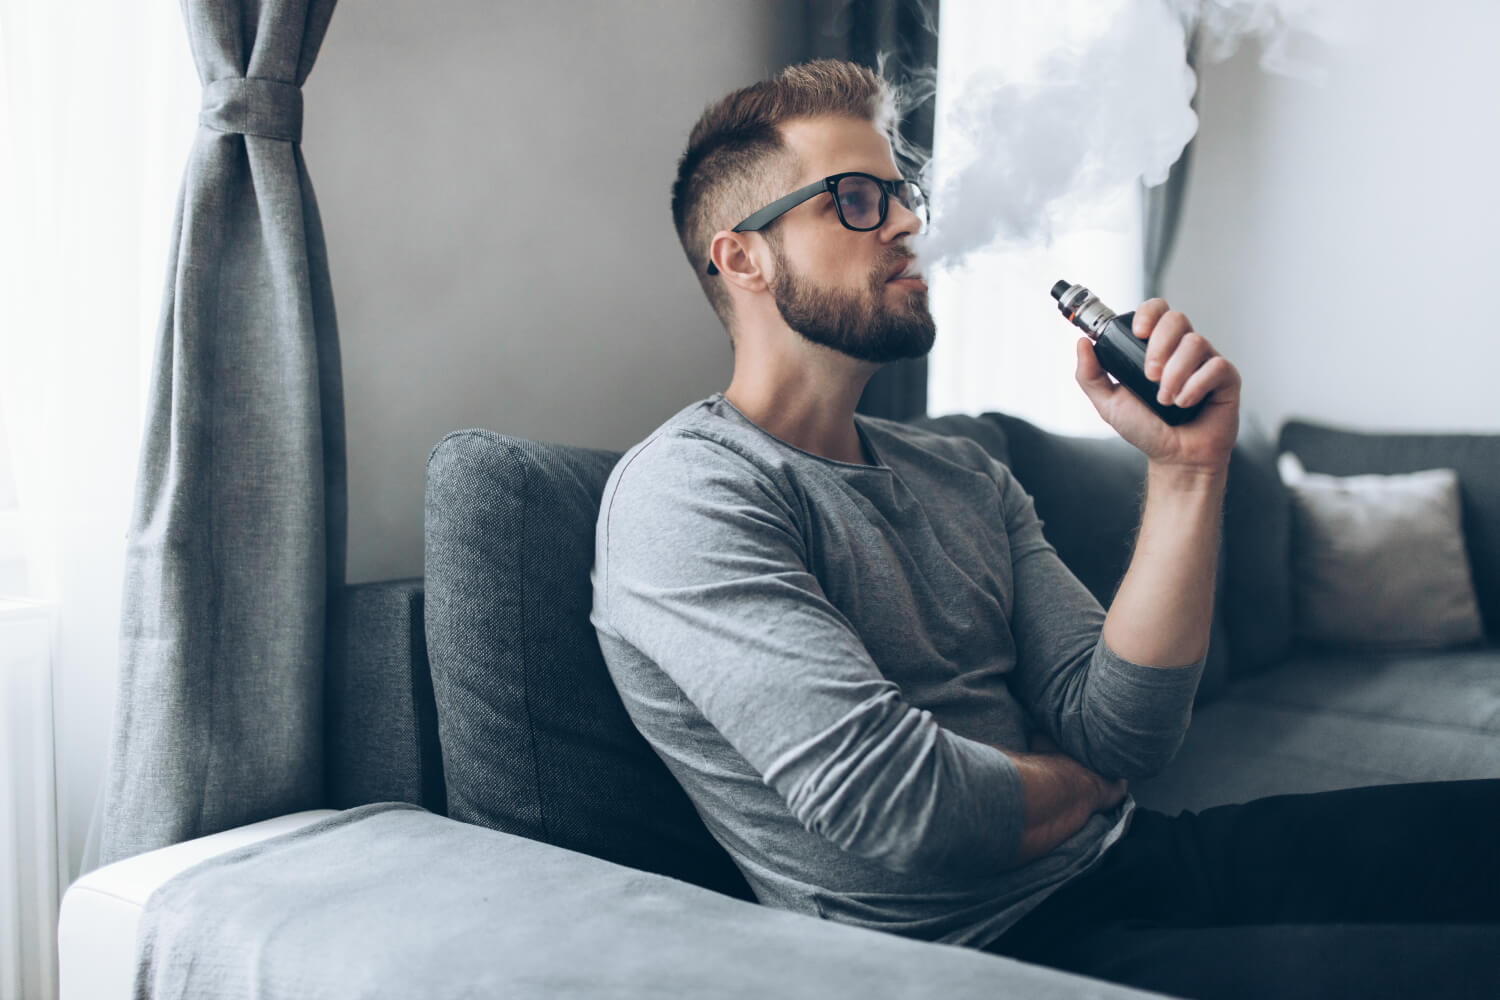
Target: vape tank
{"x":1120,"y":352}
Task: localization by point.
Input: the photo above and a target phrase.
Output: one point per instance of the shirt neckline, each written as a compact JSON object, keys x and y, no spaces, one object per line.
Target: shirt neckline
{"x":859,"y":428}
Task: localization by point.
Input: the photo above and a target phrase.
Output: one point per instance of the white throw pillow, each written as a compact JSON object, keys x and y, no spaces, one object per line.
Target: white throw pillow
{"x":1379,"y":560}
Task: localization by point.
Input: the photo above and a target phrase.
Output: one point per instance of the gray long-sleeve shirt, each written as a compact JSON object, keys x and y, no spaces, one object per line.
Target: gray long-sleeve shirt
{"x":832,"y":659}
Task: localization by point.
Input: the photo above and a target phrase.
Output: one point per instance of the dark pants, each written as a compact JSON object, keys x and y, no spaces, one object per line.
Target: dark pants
{"x":1388,"y":891}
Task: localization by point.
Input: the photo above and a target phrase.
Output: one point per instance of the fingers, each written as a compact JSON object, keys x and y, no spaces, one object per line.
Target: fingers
{"x":1107,"y":792}
{"x":1169,"y":329}
{"x":1188,"y":358}
{"x":1216,"y":373}
{"x":1178,"y":358}
{"x":1147,"y":315}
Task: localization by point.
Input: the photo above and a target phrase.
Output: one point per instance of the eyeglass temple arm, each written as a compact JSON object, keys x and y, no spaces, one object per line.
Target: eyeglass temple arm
{"x":759,"y":220}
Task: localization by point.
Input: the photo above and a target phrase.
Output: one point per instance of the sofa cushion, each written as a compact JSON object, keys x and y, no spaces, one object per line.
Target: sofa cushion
{"x":1458,"y":689}
{"x":1322,"y":721}
{"x":535,"y":739}
{"x":1378,"y":560}
{"x":1475,"y":457}
{"x":1088,"y":494}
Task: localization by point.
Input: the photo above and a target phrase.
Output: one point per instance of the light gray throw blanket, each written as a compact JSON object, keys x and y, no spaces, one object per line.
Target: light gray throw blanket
{"x":388,"y":900}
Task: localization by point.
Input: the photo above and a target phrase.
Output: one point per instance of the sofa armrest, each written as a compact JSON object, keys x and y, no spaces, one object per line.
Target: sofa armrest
{"x":101,"y":911}
{"x":380,"y":722}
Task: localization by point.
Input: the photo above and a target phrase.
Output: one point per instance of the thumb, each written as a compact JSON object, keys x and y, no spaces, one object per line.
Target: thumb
{"x":1092,"y":376}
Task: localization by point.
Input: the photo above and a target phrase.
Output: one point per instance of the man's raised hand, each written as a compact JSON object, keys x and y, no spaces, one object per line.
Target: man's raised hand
{"x":1189,"y":370}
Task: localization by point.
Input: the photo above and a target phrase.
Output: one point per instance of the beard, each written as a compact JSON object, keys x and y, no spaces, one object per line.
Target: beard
{"x":857,"y":324}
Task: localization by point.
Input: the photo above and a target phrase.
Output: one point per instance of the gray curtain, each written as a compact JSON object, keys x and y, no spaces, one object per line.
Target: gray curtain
{"x":905,"y":32}
{"x":1161,"y":207}
{"x":237,"y":536}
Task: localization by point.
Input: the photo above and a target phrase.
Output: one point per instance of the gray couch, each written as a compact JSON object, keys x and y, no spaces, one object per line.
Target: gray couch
{"x":502,"y":627}
{"x":479,"y":693}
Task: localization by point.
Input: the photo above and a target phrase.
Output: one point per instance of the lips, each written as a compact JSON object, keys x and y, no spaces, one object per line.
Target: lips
{"x":904,"y":269}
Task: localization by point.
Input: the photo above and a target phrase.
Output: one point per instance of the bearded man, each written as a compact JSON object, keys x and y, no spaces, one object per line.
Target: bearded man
{"x":886,"y":696}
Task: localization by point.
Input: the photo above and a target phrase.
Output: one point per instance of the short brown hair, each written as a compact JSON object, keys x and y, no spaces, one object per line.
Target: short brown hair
{"x":731,"y":155}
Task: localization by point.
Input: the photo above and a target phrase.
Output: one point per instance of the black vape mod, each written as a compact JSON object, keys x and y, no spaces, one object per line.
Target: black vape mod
{"x":1120,"y":352}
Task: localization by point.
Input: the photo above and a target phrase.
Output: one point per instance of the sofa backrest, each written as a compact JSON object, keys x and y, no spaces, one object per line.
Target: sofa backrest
{"x":535,"y":740}
{"x":1257,"y":596}
{"x":1337,"y":451}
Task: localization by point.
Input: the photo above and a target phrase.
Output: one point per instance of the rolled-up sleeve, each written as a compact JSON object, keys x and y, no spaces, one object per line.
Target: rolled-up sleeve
{"x":702,"y":569}
{"x":1122,"y":719}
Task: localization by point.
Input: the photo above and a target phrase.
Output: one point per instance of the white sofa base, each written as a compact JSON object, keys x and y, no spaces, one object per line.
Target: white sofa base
{"x":101,"y":911}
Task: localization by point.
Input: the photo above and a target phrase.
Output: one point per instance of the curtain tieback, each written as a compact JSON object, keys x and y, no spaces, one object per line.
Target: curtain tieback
{"x":254,"y":106}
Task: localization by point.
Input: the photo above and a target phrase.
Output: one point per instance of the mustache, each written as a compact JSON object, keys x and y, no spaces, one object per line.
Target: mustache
{"x":893,"y":263}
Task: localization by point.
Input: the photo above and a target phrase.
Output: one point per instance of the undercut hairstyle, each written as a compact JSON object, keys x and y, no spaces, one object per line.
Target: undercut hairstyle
{"x":736,"y":160}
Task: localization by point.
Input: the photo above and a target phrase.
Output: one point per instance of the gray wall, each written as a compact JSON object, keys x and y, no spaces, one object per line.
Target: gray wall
{"x":494,"y":179}
{"x":1339,"y":241}
{"x":494,"y":184}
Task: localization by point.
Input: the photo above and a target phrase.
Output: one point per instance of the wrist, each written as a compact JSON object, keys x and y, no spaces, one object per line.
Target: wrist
{"x":1179,"y":478}
{"x":1094,"y":791}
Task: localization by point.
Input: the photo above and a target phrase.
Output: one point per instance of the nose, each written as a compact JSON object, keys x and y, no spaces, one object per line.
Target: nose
{"x":899,"y":221}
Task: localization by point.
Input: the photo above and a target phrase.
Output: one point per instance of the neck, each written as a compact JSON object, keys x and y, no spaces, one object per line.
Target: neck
{"x":808,"y":406}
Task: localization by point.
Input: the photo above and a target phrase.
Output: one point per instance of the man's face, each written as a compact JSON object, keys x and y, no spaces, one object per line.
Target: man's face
{"x":833,"y":285}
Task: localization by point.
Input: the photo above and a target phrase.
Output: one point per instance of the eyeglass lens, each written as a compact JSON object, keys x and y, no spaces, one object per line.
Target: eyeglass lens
{"x":861,"y":201}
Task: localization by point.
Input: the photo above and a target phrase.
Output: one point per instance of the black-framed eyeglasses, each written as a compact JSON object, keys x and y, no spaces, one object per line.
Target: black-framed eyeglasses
{"x":862,"y":201}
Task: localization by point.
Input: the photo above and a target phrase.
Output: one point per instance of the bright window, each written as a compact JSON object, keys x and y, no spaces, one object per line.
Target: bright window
{"x":1001,"y":343}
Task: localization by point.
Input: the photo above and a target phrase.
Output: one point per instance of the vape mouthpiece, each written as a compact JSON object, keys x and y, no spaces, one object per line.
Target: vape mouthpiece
{"x":1082,"y":308}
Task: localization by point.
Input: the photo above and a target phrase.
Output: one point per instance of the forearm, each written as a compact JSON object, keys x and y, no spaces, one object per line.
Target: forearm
{"x":1162,"y":611}
{"x":1060,"y":795}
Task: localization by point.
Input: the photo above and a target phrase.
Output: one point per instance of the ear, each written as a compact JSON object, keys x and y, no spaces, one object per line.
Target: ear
{"x":738,"y":259}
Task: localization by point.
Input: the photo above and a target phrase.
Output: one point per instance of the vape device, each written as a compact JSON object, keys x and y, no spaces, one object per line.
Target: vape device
{"x":1120,"y":352}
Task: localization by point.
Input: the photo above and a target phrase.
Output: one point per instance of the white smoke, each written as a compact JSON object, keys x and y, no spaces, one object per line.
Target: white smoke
{"x":1294,"y":35}
{"x":1033,"y":143}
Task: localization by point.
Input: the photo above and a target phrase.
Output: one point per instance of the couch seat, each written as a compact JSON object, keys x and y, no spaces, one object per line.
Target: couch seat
{"x":1322,"y":720}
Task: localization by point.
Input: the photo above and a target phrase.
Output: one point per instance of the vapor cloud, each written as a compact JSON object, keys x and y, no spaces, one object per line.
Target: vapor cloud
{"x":1030,"y":145}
